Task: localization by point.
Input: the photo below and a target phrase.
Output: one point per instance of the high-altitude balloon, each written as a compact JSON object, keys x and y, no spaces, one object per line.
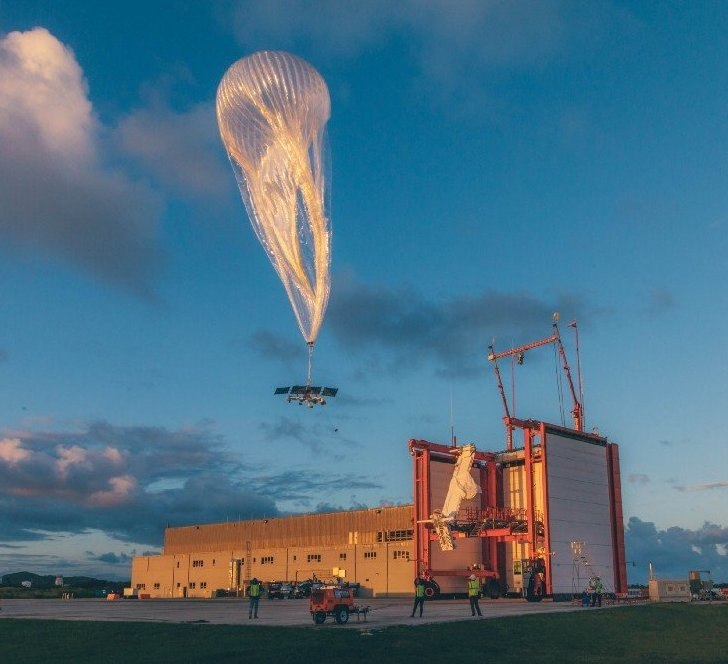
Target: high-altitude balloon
{"x":272,"y":109}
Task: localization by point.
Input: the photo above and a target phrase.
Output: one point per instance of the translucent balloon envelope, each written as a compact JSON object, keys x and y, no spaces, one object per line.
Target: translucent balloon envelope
{"x":272,"y":109}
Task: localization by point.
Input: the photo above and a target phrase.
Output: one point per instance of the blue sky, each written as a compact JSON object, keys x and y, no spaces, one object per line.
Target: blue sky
{"x":491,"y":163}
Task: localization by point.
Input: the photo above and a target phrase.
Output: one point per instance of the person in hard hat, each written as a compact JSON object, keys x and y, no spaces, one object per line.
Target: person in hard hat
{"x":474,"y":594}
{"x":254,"y":590}
{"x":419,"y":596}
{"x":597,"y":590}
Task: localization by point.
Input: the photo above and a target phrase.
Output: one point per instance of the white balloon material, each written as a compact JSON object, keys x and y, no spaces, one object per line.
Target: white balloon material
{"x":272,"y":109}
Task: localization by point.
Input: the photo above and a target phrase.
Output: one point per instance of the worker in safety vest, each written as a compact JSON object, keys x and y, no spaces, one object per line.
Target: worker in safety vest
{"x":419,"y":595}
{"x":474,"y":594}
{"x":254,"y":590}
{"x":597,"y":590}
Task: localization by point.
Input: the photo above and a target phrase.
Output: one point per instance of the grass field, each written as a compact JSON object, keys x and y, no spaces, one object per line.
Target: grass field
{"x":653,"y":633}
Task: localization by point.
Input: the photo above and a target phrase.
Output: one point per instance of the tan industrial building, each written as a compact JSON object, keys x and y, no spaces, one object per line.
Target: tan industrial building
{"x":373,"y":547}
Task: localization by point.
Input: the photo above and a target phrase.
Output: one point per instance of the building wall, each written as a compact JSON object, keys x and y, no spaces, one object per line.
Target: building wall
{"x":377,"y":554}
{"x":353,"y":527}
{"x":579,"y":510}
{"x":669,"y":590}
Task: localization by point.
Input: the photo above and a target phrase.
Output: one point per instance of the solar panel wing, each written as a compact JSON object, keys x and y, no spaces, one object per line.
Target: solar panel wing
{"x":314,"y":390}
{"x":298,"y":389}
{"x":281,"y":390}
{"x":329,"y":391}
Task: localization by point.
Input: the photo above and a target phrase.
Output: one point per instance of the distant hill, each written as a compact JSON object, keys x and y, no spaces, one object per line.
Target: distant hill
{"x":16,"y":579}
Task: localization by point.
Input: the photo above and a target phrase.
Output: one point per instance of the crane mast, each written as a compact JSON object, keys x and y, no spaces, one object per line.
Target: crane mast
{"x":577,"y":411}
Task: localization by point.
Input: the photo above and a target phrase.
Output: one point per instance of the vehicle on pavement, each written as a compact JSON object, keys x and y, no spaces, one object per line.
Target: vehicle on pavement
{"x":333,"y":601}
{"x":280,"y":590}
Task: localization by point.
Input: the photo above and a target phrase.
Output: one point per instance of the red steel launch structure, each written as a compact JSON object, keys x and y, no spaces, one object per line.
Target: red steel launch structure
{"x":546,"y":500}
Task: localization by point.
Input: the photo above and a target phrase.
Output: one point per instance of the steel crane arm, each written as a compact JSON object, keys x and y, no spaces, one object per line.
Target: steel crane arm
{"x":493,"y":356}
{"x":577,"y":411}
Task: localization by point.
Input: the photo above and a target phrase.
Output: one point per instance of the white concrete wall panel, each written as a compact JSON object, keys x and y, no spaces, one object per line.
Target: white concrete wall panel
{"x":579,"y":509}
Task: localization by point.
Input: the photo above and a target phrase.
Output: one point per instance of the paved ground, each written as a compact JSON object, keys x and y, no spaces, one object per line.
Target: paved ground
{"x":383,"y":612}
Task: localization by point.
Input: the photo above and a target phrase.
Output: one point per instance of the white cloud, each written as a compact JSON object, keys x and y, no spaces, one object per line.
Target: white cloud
{"x":39,"y":73}
{"x":71,"y":456}
{"x":58,"y":195}
{"x":122,"y":489}
{"x":11,"y":451}
{"x":182,"y":150}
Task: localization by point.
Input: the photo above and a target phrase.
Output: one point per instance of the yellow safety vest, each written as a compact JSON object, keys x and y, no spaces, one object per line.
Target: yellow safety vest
{"x":254,"y":589}
{"x":419,"y":590}
{"x":473,"y":587}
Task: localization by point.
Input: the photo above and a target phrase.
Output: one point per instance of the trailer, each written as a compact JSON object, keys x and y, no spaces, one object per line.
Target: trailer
{"x":334,"y":601}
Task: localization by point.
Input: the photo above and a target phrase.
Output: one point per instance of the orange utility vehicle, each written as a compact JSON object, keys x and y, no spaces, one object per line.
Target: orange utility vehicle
{"x":334,"y":601}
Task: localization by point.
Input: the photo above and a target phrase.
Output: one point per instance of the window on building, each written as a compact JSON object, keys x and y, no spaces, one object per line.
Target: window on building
{"x":394,"y":535}
{"x":213,"y":561}
{"x":266,"y":560}
{"x":178,"y":564}
{"x":400,"y":555}
{"x":192,"y":585}
{"x":313,"y":558}
{"x":198,"y":563}
{"x":294,"y":557}
{"x":203,"y":584}
{"x":179,"y":585}
{"x":370,"y":554}
{"x":156,"y":586}
{"x":342,"y":556}
{"x":141,"y":586}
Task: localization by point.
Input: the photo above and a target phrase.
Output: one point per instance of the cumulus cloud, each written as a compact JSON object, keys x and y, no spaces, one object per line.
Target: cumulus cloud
{"x":12,"y":452}
{"x":182,"y":150}
{"x":675,"y":551}
{"x":398,"y":329}
{"x":130,"y":482}
{"x":58,"y":195}
{"x":108,"y":478}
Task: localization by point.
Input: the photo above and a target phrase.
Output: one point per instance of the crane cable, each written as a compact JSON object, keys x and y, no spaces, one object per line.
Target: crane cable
{"x":559,"y":386}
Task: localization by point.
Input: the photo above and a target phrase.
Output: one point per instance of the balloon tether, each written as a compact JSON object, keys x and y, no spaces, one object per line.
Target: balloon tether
{"x":310,"y":356}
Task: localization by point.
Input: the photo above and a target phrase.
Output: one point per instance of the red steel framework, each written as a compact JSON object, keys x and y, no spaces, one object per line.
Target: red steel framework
{"x":577,"y":411}
{"x":494,"y":523}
